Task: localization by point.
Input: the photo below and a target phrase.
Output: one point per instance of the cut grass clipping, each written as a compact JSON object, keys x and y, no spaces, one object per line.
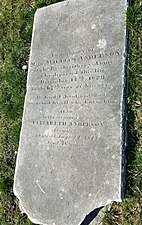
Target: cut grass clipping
{"x":16,"y":21}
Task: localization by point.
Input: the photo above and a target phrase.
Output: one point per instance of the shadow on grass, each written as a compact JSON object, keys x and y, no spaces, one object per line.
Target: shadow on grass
{"x":91,"y":216}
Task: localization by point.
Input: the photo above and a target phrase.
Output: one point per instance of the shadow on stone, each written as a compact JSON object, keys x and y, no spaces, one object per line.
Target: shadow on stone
{"x":91,"y":216}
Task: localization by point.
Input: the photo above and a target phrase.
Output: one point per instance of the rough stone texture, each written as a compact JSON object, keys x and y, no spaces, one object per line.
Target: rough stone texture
{"x":70,"y":158}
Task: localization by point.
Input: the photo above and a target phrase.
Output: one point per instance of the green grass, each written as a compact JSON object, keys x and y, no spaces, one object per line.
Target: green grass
{"x":129,"y":212}
{"x":16,"y":20}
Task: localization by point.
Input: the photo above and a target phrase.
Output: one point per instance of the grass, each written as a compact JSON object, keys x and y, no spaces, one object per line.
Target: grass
{"x":16,"y":20}
{"x":129,"y":212}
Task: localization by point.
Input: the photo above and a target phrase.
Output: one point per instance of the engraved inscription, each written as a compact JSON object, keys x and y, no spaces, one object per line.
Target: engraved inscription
{"x":81,"y":79}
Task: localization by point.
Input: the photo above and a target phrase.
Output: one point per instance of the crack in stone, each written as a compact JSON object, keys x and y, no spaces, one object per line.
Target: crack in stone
{"x":37,"y":181}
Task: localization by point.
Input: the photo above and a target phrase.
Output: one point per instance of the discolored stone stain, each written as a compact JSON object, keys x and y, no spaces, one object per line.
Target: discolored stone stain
{"x":102,"y":43}
{"x":93,"y":26}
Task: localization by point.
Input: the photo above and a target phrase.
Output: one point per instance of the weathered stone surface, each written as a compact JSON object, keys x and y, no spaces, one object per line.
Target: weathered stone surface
{"x":70,"y":158}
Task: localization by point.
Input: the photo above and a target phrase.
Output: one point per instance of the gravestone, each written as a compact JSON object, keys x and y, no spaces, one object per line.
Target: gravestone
{"x":71,"y":152}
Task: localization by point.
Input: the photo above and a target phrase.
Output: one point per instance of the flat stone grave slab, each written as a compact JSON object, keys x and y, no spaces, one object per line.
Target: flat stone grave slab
{"x":71,"y":151}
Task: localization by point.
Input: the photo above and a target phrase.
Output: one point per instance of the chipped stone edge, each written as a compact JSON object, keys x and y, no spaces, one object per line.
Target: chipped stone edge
{"x":124,"y":105}
{"x":28,"y":78}
{"x":123,"y":121}
{"x":17,"y":160}
{"x":23,"y":210}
